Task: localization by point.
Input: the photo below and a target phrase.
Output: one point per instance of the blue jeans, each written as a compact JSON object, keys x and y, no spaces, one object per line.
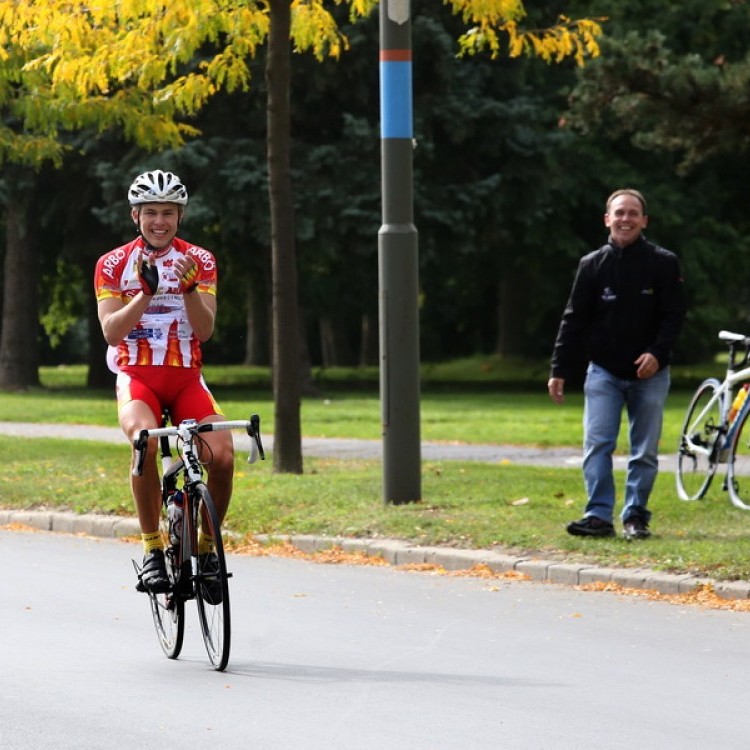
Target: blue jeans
{"x":644,"y":400}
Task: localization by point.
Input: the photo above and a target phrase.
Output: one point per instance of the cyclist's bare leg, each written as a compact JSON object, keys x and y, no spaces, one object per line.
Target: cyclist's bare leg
{"x":221,"y":469}
{"x":134,"y":417}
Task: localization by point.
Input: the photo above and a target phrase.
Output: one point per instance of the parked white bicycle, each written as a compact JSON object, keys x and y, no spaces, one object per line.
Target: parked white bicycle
{"x":716,"y":430}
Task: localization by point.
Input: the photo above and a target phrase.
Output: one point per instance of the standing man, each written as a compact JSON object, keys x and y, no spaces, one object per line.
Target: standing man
{"x":624,"y":313}
{"x":156,"y":300}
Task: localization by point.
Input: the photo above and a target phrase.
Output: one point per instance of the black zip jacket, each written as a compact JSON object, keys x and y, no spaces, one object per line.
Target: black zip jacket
{"x":624,"y":302}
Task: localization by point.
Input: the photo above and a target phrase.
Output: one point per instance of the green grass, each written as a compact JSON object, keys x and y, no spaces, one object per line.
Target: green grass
{"x":468,"y":505}
{"x":523,"y":416}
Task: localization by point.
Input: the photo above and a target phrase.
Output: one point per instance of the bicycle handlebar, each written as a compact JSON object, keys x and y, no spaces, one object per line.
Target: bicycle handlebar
{"x":188,"y":429}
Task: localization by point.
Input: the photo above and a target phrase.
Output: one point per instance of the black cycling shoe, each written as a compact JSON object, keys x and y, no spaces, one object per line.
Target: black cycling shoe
{"x":635,"y":528}
{"x":591,"y":526}
{"x":154,"y":573}
{"x":210,"y":585}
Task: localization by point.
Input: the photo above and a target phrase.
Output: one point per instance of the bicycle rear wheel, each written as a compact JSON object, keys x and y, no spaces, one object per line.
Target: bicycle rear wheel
{"x":168,"y":611}
{"x":738,"y":471}
{"x":696,"y":454}
{"x":211,"y":585}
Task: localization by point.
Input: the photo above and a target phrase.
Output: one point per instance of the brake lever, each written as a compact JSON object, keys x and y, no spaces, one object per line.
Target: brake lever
{"x":256,"y":445}
{"x":139,"y":449}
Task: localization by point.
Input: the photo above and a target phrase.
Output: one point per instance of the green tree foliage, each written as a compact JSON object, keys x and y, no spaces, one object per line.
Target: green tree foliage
{"x":664,"y":100}
{"x":508,"y":194}
{"x":133,"y":65}
{"x":676,"y":90}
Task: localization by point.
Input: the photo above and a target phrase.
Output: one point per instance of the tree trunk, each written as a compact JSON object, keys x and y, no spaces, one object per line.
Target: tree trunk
{"x":368,"y":347}
{"x":510,"y":311}
{"x":287,"y":452}
{"x":327,"y":342}
{"x":99,"y":374}
{"x":251,"y":326}
{"x":306,"y":381}
{"x":335,"y":349}
{"x":19,"y":345}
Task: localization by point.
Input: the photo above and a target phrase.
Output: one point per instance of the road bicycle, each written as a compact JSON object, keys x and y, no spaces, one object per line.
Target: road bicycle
{"x":716,"y":430}
{"x":192,"y":575}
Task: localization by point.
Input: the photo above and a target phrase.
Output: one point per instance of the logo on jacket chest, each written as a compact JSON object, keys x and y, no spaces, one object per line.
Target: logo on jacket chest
{"x":608,"y":295}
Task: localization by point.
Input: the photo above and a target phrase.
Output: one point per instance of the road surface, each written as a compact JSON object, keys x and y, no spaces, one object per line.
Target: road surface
{"x":327,"y":657}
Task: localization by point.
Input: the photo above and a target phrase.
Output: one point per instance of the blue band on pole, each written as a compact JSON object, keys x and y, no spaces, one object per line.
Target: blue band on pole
{"x":395,"y":99}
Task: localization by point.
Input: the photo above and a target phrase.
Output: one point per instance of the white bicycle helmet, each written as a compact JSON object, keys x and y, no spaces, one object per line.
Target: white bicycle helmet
{"x":157,"y":187}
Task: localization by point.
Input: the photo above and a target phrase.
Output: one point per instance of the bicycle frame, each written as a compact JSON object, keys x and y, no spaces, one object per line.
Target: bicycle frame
{"x":193,"y":573}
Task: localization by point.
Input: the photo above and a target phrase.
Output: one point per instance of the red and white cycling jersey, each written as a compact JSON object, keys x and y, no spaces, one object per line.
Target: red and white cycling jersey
{"x":164,"y":335}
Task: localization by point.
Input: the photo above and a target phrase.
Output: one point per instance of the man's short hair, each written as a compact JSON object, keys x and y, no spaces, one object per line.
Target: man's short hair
{"x":628,"y":191}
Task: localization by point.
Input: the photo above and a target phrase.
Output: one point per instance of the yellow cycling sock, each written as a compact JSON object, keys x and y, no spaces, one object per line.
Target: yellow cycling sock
{"x":205,"y":543}
{"x":152,"y":541}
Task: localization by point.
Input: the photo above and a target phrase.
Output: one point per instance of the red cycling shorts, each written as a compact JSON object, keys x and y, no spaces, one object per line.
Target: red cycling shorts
{"x":182,"y":390}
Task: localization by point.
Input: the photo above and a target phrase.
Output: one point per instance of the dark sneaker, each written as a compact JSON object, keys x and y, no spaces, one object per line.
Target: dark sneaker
{"x":591,"y":526}
{"x":210,"y":584}
{"x":154,"y":573}
{"x":635,"y":528}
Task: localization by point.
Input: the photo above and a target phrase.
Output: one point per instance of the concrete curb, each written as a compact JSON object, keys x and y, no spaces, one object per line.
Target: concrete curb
{"x":398,"y":553}
{"x":73,"y":523}
{"x":572,"y":574}
{"x":542,"y":571}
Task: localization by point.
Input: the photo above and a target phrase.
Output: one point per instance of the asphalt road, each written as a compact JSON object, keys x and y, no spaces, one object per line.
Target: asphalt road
{"x":329,"y":657}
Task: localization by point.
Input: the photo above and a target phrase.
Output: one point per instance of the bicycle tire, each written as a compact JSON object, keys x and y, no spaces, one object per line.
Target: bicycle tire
{"x":738,"y":471}
{"x":214,"y":616}
{"x":696,"y":470}
{"x":168,"y":611}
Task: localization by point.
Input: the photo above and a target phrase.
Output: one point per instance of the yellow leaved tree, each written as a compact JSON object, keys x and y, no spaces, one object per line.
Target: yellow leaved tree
{"x":144,"y":66}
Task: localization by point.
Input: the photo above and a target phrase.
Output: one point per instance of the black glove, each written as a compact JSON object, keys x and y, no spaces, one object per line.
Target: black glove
{"x":149,"y":278}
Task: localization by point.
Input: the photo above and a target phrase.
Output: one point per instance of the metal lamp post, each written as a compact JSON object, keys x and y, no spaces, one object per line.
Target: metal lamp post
{"x":397,"y":263}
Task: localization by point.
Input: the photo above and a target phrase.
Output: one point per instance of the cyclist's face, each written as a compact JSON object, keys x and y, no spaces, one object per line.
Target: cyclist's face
{"x":158,"y":222}
{"x":625,"y":220}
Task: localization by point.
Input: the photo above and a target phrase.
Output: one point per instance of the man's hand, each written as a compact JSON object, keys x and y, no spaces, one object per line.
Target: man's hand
{"x":189,"y":278}
{"x":556,"y":387}
{"x":148,"y":275}
{"x":648,"y":366}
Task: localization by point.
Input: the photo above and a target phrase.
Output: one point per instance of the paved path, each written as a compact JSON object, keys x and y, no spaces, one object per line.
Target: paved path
{"x":394,"y":552}
{"x":347,"y":447}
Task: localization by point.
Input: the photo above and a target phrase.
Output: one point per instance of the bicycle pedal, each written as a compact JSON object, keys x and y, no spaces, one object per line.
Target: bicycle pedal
{"x":140,"y":585}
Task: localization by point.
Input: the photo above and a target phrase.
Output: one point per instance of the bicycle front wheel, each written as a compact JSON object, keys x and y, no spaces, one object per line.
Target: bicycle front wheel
{"x":738,"y":471}
{"x":696,"y":453}
{"x":168,"y":611}
{"x":211,"y":585}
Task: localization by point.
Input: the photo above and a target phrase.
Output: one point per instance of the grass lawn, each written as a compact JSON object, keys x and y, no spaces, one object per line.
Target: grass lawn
{"x":467,"y":505}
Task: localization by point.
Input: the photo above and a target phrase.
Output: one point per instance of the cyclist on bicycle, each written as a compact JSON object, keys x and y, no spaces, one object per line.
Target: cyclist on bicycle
{"x":156,"y":300}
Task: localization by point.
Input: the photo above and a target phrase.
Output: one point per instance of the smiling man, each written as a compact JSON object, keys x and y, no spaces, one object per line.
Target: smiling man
{"x":156,"y":299}
{"x":623,"y":315}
